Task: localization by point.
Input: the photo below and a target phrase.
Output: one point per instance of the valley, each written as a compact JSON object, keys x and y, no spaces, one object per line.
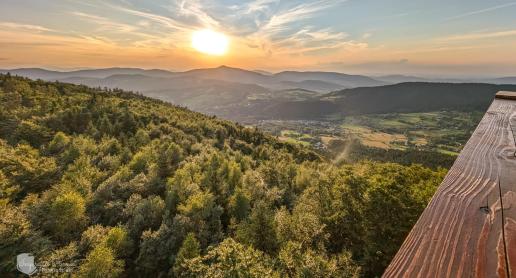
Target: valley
{"x":345,"y":118}
{"x":440,"y":132}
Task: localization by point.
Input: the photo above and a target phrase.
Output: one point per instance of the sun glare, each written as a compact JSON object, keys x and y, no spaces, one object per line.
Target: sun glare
{"x":210,"y":42}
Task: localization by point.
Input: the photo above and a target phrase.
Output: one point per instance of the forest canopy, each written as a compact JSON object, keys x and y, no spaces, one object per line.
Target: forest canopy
{"x":119,"y":185}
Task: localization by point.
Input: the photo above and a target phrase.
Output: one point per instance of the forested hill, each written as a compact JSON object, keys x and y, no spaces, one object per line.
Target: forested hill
{"x":398,"y":98}
{"x":112,"y":184}
{"x":417,"y":97}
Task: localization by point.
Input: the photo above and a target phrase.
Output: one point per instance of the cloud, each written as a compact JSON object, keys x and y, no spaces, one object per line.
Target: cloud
{"x":259,"y":6}
{"x":195,"y":9}
{"x":24,"y":27}
{"x":130,"y":33}
{"x":159,"y":19}
{"x":282,"y":33}
{"x":308,"y":40}
{"x":494,"y":8}
{"x":280,"y":21}
{"x":478,"y":36}
{"x":105,"y":23}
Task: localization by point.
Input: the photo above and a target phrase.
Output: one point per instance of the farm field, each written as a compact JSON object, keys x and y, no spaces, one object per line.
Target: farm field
{"x":442,"y":132}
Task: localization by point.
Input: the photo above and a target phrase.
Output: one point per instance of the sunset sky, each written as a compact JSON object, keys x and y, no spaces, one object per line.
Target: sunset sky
{"x":418,"y":37}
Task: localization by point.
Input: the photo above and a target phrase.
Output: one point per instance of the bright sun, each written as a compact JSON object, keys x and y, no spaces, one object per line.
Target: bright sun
{"x":210,"y":42}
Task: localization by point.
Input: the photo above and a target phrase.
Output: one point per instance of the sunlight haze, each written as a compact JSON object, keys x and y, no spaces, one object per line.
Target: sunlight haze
{"x":210,"y":42}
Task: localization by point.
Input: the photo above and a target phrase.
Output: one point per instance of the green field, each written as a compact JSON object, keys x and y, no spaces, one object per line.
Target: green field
{"x":444,"y":132}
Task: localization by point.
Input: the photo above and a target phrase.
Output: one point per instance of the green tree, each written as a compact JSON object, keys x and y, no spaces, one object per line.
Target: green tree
{"x":230,"y":259}
{"x":297,"y":261}
{"x":94,"y":235}
{"x":66,"y":215}
{"x":144,"y":214}
{"x":189,"y":250}
{"x":169,"y":157}
{"x":25,"y":169}
{"x":32,"y":133}
{"x":239,"y":205}
{"x":14,"y":229}
{"x":7,"y":190}
{"x":101,"y":263}
{"x":202,"y":210}
{"x":58,"y":143}
{"x":118,"y":240}
{"x":258,"y":230}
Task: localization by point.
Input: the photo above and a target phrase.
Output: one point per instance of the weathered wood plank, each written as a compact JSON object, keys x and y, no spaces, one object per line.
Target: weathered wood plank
{"x":462,"y":233}
{"x":506,"y":95}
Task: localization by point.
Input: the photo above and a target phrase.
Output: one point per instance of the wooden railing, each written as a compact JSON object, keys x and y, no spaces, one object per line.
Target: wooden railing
{"x":469,"y":227}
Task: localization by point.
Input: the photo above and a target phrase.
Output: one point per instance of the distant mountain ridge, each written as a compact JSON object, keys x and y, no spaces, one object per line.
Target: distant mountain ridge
{"x":318,"y":81}
{"x":315,"y":81}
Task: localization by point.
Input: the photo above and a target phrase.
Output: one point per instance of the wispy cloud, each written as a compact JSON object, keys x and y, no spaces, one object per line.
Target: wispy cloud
{"x":477,"y":12}
{"x":307,"y":40}
{"x":159,"y":19}
{"x":110,"y":31}
{"x":194,"y":9}
{"x":478,"y":36}
{"x":281,"y":33}
{"x":25,"y":27}
{"x":259,"y":6}
{"x":281,"y":21}
{"x":105,"y":23}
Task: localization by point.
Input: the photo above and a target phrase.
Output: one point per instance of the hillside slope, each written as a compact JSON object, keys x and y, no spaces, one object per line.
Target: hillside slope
{"x":108,"y":183}
{"x":398,"y":98}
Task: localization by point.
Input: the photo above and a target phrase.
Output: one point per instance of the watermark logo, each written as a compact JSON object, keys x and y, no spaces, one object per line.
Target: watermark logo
{"x":25,"y":263}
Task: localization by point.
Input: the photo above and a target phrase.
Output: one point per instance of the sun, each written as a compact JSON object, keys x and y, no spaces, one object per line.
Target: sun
{"x":210,"y":42}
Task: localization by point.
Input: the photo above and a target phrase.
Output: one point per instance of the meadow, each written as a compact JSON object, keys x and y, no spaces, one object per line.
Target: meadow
{"x":441,"y":132}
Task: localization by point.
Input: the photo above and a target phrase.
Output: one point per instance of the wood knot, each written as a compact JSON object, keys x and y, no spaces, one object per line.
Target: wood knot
{"x":485,"y":209}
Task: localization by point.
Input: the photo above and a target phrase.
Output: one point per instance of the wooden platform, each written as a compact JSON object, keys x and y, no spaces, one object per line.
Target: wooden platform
{"x":506,"y":95}
{"x":469,"y":227}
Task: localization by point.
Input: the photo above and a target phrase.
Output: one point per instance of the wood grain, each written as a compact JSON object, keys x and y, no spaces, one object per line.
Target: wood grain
{"x":506,"y":95}
{"x":462,"y":233}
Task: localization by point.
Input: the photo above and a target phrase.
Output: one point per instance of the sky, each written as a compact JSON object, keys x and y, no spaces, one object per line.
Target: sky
{"x":376,"y":37}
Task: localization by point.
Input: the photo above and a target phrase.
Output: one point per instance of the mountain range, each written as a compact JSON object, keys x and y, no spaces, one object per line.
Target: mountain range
{"x":110,"y":77}
{"x":245,"y":95}
{"x":317,"y":80}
